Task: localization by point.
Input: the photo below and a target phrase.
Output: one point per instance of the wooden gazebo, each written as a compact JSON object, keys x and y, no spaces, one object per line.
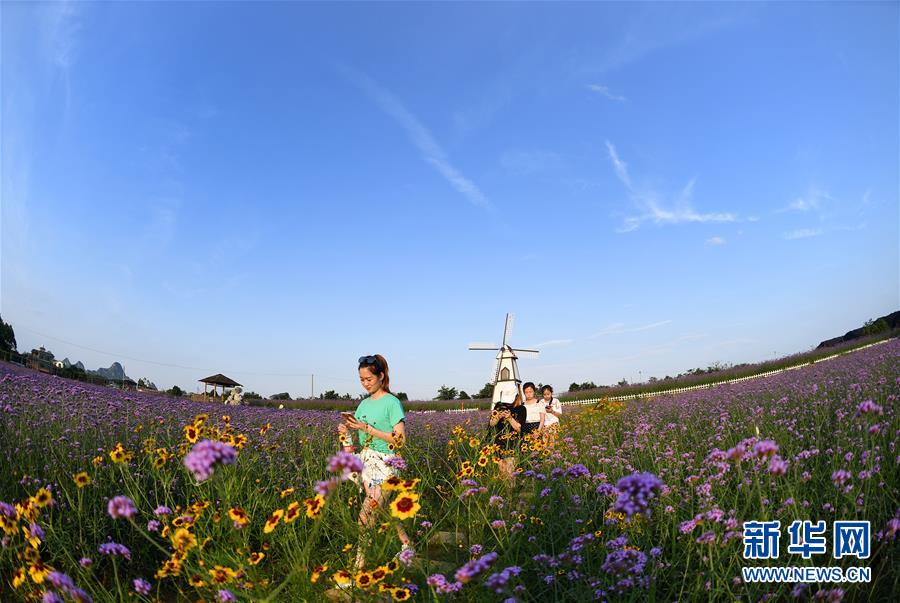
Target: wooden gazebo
{"x":217,"y":380}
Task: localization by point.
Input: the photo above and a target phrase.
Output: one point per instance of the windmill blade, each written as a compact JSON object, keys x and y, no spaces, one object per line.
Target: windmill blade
{"x":507,"y":330}
{"x":496,"y":373}
{"x":526,"y":352}
{"x":483,"y":346}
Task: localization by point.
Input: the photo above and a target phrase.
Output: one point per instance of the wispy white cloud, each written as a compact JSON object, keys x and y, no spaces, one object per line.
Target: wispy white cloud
{"x":618,"y":327}
{"x":715,"y":241}
{"x":813,"y":200}
{"x":652,"y":208}
{"x":604,"y":91}
{"x":802,"y":233}
{"x":420,"y":136}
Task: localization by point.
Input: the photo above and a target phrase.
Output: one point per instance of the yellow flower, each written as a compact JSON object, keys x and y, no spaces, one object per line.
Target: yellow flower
{"x":199,"y":420}
{"x":292,"y":512}
{"x":42,"y":498}
{"x":317,"y":571}
{"x":196,"y":581}
{"x":401,"y":594}
{"x":38,"y":571}
{"x":18,"y":577}
{"x":314,"y":506}
{"x":222,"y":574}
{"x":273,"y":520}
{"x":191,"y":433}
{"x":287,"y":492}
{"x":392,"y":566}
{"x":405,"y":505}
{"x":363,"y":579}
{"x":342,"y":577}
{"x":82,"y":479}
{"x":348,"y":547}
{"x":98,"y":460}
{"x":119,"y":455}
{"x":379,"y":574}
{"x":239,"y":516}
{"x":239,"y":441}
{"x":183,"y":540}
{"x":255,"y":558}
{"x":264,"y":428}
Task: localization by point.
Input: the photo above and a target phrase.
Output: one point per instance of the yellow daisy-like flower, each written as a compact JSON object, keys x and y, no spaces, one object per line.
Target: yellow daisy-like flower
{"x":401,"y":594}
{"x":379,"y":574}
{"x":287,"y":492}
{"x":342,"y":577}
{"x":317,"y":571}
{"x":197,"y":581}
{"x":273,"y":520}
{"x":265,"y":428}
{"x":364,"y":579}
{"x":183,"y":540}
{"x":348,"y":547}
{"x":96,"y":461}
{"x":38,"y":571}
{"x":18,"y":577}
{"x":42,"y":498}
{"x":391,"y":483}
{"x":314,"y":506}
{"x":392,"y":566}
{"x":191,"y":433}
{"x":82,"y":479}
{"x":239,"y":441}
{"x":199,"y":420}
{"x":255,"y":558}
{"x":405,"y":505}
{"x":221,"y":574}
{"x":239,"y":516}
{"x":292,"y":512}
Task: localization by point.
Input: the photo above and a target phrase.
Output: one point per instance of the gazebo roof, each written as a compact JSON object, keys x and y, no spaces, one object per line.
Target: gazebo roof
{"x":220,"y":379}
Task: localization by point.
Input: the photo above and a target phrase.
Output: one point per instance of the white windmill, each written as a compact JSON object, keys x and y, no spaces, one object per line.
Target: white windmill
{"x":505,"y":377}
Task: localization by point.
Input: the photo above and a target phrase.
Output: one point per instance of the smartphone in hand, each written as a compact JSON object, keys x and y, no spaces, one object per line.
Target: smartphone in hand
{"x":346,"y":415}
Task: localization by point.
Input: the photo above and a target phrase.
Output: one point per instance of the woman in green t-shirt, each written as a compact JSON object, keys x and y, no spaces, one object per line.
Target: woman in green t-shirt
{"x":379,"y":419}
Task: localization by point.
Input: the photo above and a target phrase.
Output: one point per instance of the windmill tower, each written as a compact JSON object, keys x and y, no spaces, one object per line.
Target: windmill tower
{"x":505,"y":377}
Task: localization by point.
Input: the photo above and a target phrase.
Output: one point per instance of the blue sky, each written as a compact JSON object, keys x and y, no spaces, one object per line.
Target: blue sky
{"x":272,"y":190}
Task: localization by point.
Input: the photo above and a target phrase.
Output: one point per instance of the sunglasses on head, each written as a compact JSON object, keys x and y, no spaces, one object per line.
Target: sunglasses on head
{"x":369,"y":360}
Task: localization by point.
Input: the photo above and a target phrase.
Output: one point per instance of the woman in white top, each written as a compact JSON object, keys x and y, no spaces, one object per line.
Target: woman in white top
{"x":552,"y":410}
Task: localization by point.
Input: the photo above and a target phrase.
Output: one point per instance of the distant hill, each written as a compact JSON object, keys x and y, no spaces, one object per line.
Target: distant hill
{"x":114,"y":373}
{"x":67,"y":364}
{"x":879,"y":325}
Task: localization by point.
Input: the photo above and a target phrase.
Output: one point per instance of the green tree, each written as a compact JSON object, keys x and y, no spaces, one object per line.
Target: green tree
{"x":574,"y":387}
{"x":463,"y":396}
{"x":175,"y":391}
{"x":402,"y":396}
{"x":486,"y":392}
{"x":329,"y":395}
{"x":873,"y":327}
{"x":7,"y":337}
{"x":281,"y":396}
{"x":446,"y":393}
{"x":252,"y":396}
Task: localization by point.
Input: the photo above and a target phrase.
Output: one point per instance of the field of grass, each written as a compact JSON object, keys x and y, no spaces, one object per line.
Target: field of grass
{"x":111,"y":496}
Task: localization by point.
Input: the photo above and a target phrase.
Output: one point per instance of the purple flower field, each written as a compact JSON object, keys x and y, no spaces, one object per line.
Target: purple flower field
{"x":108,"y":495}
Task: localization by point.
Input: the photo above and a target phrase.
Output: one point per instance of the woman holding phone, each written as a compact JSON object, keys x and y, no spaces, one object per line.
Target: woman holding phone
{"x":380,"y":422}
{"x":507,"y":421}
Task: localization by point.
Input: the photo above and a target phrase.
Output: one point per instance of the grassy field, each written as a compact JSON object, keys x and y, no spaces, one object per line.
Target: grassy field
{"x":111,"y":496}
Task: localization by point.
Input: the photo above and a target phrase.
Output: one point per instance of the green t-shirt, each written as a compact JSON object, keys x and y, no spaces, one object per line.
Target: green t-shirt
{"x":382,"y":414}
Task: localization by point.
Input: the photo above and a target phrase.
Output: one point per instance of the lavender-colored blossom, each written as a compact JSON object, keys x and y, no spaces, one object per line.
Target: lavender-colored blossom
{"x":162,"y":510}
{"x":635,"y":493}
{"x":406,"y":556}
{"x":475,"y":567}
{"x":205,"y":455}
{"x":396,"y":462}
{"x":153,"y":526}
{"x":765,"y":448}
{"x":52,"y":597}
{"x":121,"y":506}
{"x":840,"y":476}
{"x":114,"y":548}
{"x":345,"y":464}
{"x":85,"y":562}
{"x":225,"y":596}
{"x":141,"y":586}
